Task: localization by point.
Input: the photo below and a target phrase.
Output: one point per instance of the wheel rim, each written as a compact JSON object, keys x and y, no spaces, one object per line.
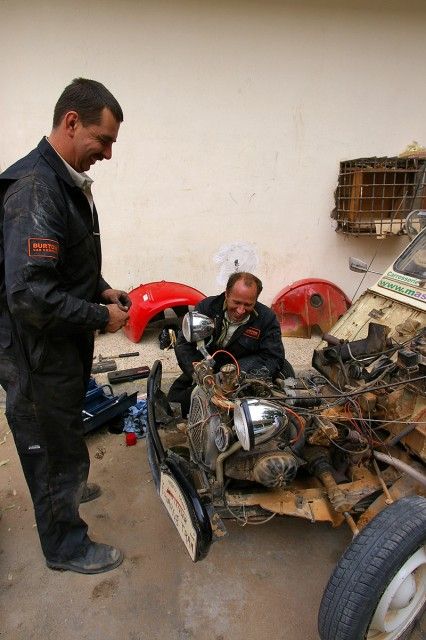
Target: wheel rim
{"x":402,"y":601}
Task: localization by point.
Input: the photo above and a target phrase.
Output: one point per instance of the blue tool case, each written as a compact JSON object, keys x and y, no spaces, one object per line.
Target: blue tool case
{"x":101,"y":405}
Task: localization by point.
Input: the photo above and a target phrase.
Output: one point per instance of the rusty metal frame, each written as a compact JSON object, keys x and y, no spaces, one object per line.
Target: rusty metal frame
{"x":374,"y":195}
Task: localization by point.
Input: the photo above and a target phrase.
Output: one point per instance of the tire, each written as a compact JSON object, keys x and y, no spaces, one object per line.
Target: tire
{"x":389,"y":552}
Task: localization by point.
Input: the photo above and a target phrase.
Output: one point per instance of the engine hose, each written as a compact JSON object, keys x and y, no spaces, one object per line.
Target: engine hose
{"x":294,"y":427}
{"x":220,"y":459}
{"x":401,"y":466}
{"x":381,"y":374}
{"x":301,"y":426}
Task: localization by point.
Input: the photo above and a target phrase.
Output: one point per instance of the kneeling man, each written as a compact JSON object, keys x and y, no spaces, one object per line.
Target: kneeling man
{"x":244,"y":327}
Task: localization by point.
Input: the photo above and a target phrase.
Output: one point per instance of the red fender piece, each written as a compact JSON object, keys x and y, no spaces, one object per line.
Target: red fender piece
{"x":308,"y":303}
{"x":150,"y":299}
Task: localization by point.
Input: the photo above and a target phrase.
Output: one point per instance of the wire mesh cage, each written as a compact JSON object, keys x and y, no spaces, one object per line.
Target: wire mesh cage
{"x":374,"y":195}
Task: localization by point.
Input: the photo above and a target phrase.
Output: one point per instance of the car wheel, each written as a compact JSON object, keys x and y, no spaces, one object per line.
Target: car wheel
{"x":378,"y":589}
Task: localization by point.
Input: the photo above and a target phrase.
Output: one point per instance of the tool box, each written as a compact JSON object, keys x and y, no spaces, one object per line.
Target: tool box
{"x":101,"y":405}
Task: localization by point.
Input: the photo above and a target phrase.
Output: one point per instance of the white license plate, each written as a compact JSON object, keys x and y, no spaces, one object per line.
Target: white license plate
{"x":175,"y":503}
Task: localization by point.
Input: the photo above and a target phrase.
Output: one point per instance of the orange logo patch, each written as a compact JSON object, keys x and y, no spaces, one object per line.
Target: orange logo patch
{"x":43,"y":248}
{"x":252,"y":332}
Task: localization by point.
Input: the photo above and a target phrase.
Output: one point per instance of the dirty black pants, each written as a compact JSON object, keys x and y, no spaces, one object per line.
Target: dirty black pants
{"x":180,"y":391}
{"x":45,"y":388}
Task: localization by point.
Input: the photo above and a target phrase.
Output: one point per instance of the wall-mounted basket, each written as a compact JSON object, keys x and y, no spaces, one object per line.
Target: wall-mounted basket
{"x":375,"y":195}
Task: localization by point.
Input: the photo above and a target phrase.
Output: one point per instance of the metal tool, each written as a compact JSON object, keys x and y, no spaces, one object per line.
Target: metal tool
{"x":104,"y":366}
{"x":127,"y":375}
{"x":119,"y":355}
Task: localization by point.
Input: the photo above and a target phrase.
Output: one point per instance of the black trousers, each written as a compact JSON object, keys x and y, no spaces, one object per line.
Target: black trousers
{"x":180,"y":391}
{"x":45,"y":380}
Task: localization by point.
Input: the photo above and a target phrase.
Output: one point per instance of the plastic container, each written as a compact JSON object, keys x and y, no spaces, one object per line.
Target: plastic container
{"x":131,"y":438}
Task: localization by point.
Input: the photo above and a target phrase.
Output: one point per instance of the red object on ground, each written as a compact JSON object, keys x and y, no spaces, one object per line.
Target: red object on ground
{"x":151,"y":299}
{"x":131,"y":438}
{"x":308,"y":303}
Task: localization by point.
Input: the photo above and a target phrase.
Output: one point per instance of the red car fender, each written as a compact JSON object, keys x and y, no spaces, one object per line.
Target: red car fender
{"x":307,"y":303}
{"x":152,"y":298}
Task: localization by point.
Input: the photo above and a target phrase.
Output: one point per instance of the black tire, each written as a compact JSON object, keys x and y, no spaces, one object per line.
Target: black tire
{"x":367,"y":568}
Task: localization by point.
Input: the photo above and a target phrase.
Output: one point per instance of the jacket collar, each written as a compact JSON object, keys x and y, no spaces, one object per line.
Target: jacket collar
{"x":55,"y":161}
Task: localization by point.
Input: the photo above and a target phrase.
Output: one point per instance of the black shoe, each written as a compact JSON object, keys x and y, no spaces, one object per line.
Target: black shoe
{"x":96,"y":559}
{"x":90,"y":492}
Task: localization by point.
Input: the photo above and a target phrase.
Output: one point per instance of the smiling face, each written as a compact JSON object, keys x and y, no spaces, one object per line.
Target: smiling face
{"x":92,"y":142}
{"x":82,"y":145}
{"x":240,"y":300}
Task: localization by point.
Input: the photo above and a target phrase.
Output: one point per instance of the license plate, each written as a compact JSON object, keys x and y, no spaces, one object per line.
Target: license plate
{"x":173,"y":499}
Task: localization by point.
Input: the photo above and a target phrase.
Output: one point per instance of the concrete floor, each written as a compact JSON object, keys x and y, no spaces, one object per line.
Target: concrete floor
{"x":259,"y":582}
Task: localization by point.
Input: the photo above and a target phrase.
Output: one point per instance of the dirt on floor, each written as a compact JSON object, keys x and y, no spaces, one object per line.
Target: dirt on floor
{"x":259,"y":582}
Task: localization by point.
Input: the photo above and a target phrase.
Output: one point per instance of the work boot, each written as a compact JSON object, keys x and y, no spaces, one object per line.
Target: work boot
{"x":90,"y":492}
{"x":97,"y":558}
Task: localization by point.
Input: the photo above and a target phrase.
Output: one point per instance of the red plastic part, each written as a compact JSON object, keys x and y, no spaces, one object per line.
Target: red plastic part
{"x":154,"y":297}
{"x":308,"y":303}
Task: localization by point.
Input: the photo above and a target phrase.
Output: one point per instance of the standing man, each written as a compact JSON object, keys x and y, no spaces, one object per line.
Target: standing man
{"x":244,"y":327}
{"x":52,"y":299}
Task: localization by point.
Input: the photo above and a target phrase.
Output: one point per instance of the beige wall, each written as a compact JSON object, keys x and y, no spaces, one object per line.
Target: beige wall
{"x":236,"y":117}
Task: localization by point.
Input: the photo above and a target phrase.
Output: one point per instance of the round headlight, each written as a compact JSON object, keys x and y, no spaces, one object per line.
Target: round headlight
{"x":257,"y":420}
{"x":196,"y":326}
{"x":186,"y":327}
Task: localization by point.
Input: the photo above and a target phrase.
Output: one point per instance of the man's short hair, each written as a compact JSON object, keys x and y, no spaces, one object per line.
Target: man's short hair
{"x":248,"y":278}
{"x":88,"y":98}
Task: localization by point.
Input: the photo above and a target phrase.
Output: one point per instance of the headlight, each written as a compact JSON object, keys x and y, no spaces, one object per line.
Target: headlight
{"x":257,"y":420}
{"x":196,"y":326}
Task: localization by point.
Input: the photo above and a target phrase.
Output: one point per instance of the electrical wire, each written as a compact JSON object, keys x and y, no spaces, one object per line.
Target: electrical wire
{"x":249,"y":383}
{"x":373,"y":356}
{"x":363,"y":277}
{"x":231,"y":356}
{"x":350,"y":451}
{"x":201,"y":423}
{"x":362,"y":428}
{"x":365,"y":389}
{"x":344,"y":417}
{"x":245,"y":520}
{"x":339,"y":399}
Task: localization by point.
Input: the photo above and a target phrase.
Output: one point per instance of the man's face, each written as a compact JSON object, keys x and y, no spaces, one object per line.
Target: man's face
{"x":94,"y":141}
{"x":240,"y":301}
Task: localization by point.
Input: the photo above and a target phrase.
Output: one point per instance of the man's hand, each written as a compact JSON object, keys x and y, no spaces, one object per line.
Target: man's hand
{"x":115,"y":296}
{"x":117,"y":318}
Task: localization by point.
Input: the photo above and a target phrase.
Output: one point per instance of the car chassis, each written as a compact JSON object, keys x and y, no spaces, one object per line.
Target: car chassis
{"x":344,"y":442}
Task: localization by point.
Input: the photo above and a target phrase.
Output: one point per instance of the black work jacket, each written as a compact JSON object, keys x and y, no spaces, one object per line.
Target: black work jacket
{"x":255,"y":345}
{"x":50,"y":252}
